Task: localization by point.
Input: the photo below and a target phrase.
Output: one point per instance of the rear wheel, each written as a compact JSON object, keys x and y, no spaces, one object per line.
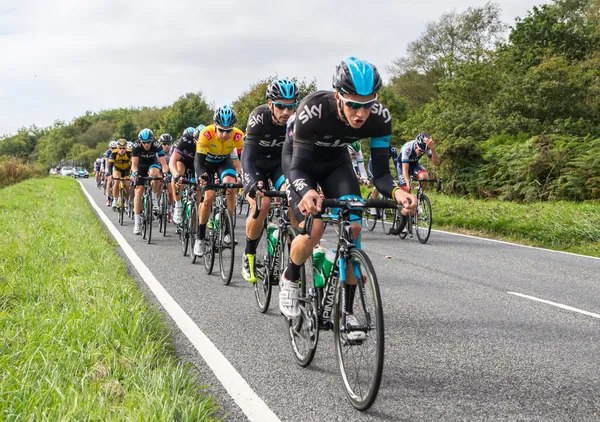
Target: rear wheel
{"x":226,"y":245}
{"x":360,"y":348}
{"x":209,"y":246}
{"x":423,"y":219}
{"x":184,"y":235}
{"x":144,"y":213}
{"x":149,"y":216}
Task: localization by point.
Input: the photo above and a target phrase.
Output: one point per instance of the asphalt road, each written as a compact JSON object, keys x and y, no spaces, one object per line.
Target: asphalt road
{"x":458,"y":345}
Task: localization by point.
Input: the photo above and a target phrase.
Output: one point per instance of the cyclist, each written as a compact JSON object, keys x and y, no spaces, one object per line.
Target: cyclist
{"x":358,"y":162}
{"x":98,"y":169}
{"x":216,"y":153}
{"x":315,"y":152}
{"x":107,"y":171}
{"x":265,"y":135}
{"x":166,"y":140}
{"x":182,"y":161}
{"x":148,"y":158}
{"x":411,"y":152}
{"x":120,"y":162}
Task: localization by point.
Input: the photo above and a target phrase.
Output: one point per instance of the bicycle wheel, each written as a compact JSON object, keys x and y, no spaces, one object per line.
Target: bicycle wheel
{"x":263,"y":263}
{"x":121,"y":206}
{"x":144,"y":213}
{"x":184,"y":235}
{"x":209,"y":251}
{"x":360,"y":349}
{"x":149,"y":217}
{"x":234,"y":218}
{"x":192,"y":225}
{"x":423,"y":219}
{"x":226,"y":243}
{"x":370,"y":217}
{"x":304,"y":330}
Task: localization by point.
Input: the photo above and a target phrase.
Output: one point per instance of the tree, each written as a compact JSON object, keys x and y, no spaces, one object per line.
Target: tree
{"x":189,"y":110}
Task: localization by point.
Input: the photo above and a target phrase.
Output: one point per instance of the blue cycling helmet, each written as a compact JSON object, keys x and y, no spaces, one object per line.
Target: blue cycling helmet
{"x":283,"y":89}
{"x":421,"y":141}
{"x":198,"y":130}
{"x":188,"y":133}
{"x":225,"y":116}
{"x":145,"y":135}
{"x":356,"y":77}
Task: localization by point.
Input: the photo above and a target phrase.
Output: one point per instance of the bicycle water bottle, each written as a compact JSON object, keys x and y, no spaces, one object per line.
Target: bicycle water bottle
{"x":318,"y":260}
{"x":272,"y":235}
{"x":328,"y":262}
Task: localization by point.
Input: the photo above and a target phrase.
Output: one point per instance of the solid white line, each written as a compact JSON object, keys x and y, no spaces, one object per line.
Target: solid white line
{"x":559,"y":305}
{"x":510,"y":243}
{"x":237,"y":387}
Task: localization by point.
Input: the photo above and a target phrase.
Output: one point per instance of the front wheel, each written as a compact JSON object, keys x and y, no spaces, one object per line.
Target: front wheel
{"x":226,"y":240}
{"x":263,"y":262}
{"x":304,"y":330}
{"x":149,"y":217}
{"x":371,"y":215}
{"x":360,"y":346}
{"x":192,"y":230}
{"x":423,"y":219}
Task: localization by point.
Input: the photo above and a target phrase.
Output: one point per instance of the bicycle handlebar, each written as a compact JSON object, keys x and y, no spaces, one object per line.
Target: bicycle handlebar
{"x":348,"y":204}
{"x":267,"y":194}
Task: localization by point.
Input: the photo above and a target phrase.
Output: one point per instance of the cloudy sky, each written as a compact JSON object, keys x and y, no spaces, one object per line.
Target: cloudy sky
{"x":59,"y":58}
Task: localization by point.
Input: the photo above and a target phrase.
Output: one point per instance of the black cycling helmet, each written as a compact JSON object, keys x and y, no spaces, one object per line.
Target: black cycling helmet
{"x":283,"y":89}
{"x":188,"y":134}
{"x":421,"y":144}
{"x":356,"y":77}
{"x":165,"y":138}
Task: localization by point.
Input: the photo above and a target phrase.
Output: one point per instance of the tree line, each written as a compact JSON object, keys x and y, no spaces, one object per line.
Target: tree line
{"x":515,"y":111}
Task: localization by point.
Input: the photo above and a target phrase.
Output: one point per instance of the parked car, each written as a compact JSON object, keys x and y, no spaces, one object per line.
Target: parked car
{"x":52,"y":170}
{"x":66,"y":171}
{"x":80,"y":173}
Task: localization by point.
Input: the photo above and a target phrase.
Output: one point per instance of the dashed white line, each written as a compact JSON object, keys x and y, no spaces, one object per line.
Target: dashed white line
{"x":237,"y":387}
{"x":559,"y":305}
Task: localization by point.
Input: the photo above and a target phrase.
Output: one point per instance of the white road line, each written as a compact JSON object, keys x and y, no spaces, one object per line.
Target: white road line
{"x":509,"y":243}
{"x":237,"y":387}
{"x":559,"y":305}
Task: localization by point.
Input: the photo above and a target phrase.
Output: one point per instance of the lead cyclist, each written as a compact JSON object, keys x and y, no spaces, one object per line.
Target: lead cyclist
{"x":315,"y":153}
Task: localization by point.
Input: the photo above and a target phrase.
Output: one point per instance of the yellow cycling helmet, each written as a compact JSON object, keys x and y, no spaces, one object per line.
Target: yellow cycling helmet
{"x":121,"y":143}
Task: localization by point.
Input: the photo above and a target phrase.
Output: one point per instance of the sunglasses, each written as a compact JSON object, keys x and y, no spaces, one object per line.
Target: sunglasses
{"x":220,"y":129}
{"x":355,"y":105}
{"x":283,"y":106}
{"x":147,"y":142}
{"x":122,"y":148}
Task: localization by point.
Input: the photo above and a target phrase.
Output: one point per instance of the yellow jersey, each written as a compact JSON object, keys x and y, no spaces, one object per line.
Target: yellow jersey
{"x":215,"y":149}
{"x":121,"y":162}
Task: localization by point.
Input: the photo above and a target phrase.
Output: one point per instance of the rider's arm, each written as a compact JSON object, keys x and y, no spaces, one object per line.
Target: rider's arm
{"x":435,"y":158}
{"x":250,"y":176}
{"x":382,"y":178}
{"x":163,"y":162}
{"x":200,"y":164}
{"x":302,"y":155}
{"x":405,"y":167}
{"x":175,"y":156}
{"x":361,"y":164}
{"x":134,"y":164}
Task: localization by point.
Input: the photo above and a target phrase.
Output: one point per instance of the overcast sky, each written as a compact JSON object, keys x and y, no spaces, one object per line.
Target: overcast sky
{"x":59,"y":58}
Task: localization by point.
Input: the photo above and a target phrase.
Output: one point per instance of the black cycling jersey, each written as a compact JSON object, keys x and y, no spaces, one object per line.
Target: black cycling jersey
{"x":262,"y":147}
{"x":147,"y":157}
{"x":317,"y":138}
{"x":187,"y":150}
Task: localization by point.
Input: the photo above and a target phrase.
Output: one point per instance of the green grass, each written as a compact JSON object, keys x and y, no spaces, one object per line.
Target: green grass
{"x":565,"y":226}
{"x":77,"y":339}
{"x":14,"y":170}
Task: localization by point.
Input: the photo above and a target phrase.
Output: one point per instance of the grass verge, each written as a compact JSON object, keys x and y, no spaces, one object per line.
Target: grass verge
{"x":564,"y":226}
{"x":77,"y":339}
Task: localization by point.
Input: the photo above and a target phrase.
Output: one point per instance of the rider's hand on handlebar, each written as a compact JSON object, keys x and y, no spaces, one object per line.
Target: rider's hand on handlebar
{"x":408,"y":201}
{"x":311,"y":203}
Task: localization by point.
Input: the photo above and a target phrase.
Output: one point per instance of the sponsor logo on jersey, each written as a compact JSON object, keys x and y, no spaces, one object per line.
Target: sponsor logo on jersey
{"x":271,"y":144}
{"x":207,"y":135}
{"x":255,"y":120}
{"x":299,"y":184}
{"x":380,"y":110}
{"x":308,"y":113}
{"x":337,"y":144}
{"x":237,"y":136}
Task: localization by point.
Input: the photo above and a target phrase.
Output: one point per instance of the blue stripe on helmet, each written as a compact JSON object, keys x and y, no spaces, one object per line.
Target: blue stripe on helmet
{"x":145,"y":135}
{"x":228,"y":172}
{"x":362,"y":75}
{"x":287,"y":88}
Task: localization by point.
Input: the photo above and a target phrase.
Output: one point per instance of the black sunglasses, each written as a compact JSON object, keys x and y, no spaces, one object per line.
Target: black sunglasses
{"x":225,"y":130}
{"x":282,"y":106}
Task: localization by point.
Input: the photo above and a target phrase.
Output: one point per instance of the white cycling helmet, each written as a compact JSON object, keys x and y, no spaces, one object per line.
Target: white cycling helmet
{"x":112,"y":144}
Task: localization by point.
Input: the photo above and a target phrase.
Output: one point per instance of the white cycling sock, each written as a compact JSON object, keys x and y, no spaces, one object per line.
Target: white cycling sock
{"x":138,"y":218}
